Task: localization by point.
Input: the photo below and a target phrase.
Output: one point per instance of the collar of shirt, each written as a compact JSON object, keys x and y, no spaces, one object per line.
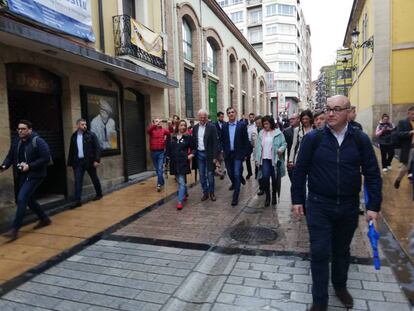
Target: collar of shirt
{"x":232,"y":123}
{"x":339,"y":135}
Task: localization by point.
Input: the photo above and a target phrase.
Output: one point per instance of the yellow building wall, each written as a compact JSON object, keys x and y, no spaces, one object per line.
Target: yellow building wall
{"x":110,"y":9}
{"x":365,"y":92}
{"x":95,"y":22}
{"x":155,"y":17}
{"x":402,"y":73}
{"x":402,"y":21}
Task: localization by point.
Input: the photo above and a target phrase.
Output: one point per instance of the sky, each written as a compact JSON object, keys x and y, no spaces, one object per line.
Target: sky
{"x":328,"y":20}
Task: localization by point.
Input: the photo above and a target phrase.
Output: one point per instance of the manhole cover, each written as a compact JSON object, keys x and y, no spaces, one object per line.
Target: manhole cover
{"x":253,"y":235}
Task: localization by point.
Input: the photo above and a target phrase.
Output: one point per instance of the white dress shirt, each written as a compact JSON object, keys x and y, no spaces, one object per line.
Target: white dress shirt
{"x":201,"y":132}
{"x":79,"y":141}
{"x":341,"y":135}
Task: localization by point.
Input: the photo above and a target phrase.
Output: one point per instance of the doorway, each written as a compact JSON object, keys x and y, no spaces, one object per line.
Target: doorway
{"x":134,"y":123}
{"x":34,"y":94}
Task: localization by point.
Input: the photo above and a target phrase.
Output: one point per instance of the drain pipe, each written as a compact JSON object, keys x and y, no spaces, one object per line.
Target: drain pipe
{"x":118,"y":83}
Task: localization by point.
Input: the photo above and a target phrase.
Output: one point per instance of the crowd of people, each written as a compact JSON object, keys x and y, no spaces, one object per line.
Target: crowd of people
{"x":325,"y":154}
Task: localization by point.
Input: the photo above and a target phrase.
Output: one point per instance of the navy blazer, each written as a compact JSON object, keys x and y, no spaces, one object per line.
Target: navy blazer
{"x":241,"y":141}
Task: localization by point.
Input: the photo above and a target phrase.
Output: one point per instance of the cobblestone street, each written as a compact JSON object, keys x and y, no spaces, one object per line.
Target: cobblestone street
{"x":187,"y":260}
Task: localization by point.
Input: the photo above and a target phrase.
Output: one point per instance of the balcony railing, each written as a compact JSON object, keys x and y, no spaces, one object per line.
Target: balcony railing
{"x":124,"y":46}
{"x":253,"y":2}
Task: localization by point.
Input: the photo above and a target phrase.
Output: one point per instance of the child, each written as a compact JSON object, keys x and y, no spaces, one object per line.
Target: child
{"x":179,"y":150}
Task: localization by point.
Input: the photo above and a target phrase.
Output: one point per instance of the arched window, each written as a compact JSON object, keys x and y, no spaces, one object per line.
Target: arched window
{"x":187,"y":41}
{"x":211,"y":58}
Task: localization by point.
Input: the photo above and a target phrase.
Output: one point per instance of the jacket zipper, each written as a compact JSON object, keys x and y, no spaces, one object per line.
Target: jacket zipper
{"x":337,"y":175}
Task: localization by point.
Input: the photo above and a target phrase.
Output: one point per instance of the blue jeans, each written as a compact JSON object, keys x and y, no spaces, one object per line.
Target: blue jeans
{"x":268,"y":171}
{"x":206,"y":176}
{"x":158,"y":161}
{"x":79,"y":171}
{"x":182,"y":187}
{"x":331,"y":229}
{"x":234,"y":169}
{"x":25,"y":197}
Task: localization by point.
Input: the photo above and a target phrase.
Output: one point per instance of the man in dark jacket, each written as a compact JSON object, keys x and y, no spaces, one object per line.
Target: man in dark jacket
{"x":30,"y":155}
{"x":351,"y":119}
{"x":331,"y":160}
{"x":405,"y":131}
{"x":219,"y":125}
{"x":288,"y":133}
{"x":236,"y":149}
{"x":206,"y":150}
{"x":84,"y":155}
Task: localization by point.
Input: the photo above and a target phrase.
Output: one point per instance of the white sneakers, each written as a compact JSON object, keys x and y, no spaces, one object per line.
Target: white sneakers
{"x":385,"y":169}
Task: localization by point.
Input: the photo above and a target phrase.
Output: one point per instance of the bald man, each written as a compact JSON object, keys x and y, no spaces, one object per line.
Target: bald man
{"x":331,"y":160}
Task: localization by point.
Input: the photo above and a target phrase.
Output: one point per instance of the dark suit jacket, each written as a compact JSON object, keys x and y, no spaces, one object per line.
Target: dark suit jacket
{"x":219,"y":134}
{"x":288,"y":133}
{"x":241,"y":141}
{"x":91,"y":149}
{"x":211,"y":144}
{"x":404,"y":128}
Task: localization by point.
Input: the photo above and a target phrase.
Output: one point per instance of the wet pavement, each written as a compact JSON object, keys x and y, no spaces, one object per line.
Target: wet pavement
{"x":208,"y":256}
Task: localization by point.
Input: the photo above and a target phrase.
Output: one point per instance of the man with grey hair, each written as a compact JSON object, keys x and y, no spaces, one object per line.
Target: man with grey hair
{"x":331,"y":160}
{"x":104,"y":126}
{"x":206,"y":151}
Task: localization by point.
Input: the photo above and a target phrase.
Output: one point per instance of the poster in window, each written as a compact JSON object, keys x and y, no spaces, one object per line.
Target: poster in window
{"x":100,"y":109}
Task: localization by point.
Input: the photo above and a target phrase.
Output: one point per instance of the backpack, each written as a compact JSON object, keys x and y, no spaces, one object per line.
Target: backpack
{"x":34,"y":146}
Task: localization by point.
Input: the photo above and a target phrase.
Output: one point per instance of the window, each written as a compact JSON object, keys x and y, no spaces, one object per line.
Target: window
{"x":237,"y":17}
{"x":280,"y":9}
{"x":259,"y":49}
{"x":286,"y":67}
{"x":287,"y":85}
{"x":255,"y":16}
{"x":224,"y":3}
{"x":255,"y":35}
{"x":188,"y":86}
{"x":281,"y":29}
{"x":211,"y":58}
{"x":187,"y":41}
{"x":281,"y":48}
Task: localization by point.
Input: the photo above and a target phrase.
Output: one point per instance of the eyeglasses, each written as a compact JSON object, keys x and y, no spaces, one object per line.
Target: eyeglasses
{"x":231,"y":111}
{"x":335,"y":109}
{"x":22,"y":129}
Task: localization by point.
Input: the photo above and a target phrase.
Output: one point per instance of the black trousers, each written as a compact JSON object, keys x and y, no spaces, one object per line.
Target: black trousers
{"x":387,"y":154}
{"x":79,"y":171}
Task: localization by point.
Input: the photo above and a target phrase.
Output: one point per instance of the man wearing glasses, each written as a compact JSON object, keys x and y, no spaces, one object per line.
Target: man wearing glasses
{"x":30,"y":156}
{"x":333,"y":167}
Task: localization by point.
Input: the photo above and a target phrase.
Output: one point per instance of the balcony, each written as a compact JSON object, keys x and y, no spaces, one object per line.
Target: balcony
{"x":251,"y":3}
{"x":124,"y":46}
{"x":251,"y":22}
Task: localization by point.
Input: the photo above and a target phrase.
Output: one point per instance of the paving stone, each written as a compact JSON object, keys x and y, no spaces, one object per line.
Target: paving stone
{"x":152,"y":297}
{"x":301,"y":297}
{"x":306,"y":279}
{"x":216,"y":264}
{"x":264,"y":267}
{"x":224,"y":307}
{"x":276,"y":276}
{"x":288,"y":306}
{"x":201,"y":288}
{"x":395,"y":297}
{"x":381,"y":286}
{"x":239,"y":290}
{"x":294,"y":287}
{"x":293,"y":270}
{"x":168,"y":279}
{"x":226,"y":298}
{"x":362,"y":276}
{"x":32,"y":299}
{"x":246,"y":273}
{"x":274,"y":294}
{"x":252,"y":302}
{"x":66,"y":305}
{"x":280,"y":261}
{"x":259,"y":283}
{"x":359,"y":304}
{"x":59,"y":281}
{"x":255,"y":259}
{"x":238,"y":280}
{"x":14,"y":306}
{"x":371,"y":269}
{"x":366,"y":294}
{"x":387,"y":306}
{"x":179,"y":305}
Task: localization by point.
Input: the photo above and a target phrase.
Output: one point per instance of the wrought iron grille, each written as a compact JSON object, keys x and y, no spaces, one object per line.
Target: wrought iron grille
{"x":123,"y":45}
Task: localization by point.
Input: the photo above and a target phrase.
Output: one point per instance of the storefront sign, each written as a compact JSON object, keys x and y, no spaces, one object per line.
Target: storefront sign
{"x":145,"y":39}
{"x":69,"y":16}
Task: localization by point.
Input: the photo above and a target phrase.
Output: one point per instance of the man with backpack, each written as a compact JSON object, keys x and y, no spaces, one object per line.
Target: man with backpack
{"x":331,"y":160}
{"x":405,"y":132}
{"x":30,"y":155}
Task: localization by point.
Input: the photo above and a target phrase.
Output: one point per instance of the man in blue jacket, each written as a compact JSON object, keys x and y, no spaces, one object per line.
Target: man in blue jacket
{"x":30,"y":156}
{"x":236,"y":148}
{"x":332,"y":159}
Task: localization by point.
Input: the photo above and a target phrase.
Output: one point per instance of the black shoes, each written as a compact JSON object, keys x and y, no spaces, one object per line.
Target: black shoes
{"x":212,"y":196}
{"x":261,"y":192}
{"x":243,"y":181}
{"x":204,"y":197}
{"x":318,"y":308}
{"x":248,"y":176}
{"x":42,"y":223}
{"x":274,"y":199}
{"x":231,"y":188}
{"x":234,"y":202}
{"x":345,"y":297}
{"x":97,"y":198}
{"x":397,"y":184}
{"x":12,"y":234}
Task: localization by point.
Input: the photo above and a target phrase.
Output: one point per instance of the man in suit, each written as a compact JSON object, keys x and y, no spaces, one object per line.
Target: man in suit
{"x":206,"y":151}
{"x":406,"y":136}
{"x":219,"y":125}
{"x":236,"y":148}
{"x":294,"y":122}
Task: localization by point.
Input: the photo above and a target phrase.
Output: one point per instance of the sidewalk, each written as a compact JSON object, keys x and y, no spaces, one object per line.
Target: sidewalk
{"x":72,"y":227}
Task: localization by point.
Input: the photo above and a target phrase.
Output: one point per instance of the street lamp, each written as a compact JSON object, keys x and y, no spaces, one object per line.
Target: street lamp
{"x":369,"y":43}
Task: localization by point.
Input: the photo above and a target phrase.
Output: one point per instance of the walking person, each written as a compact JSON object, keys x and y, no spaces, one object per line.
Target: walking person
{"x":179,"y":151}
{"x":219,"y":125}
{"x":331,"y":160}
{"x":270,"y":147}
{"x":288,"y":133}
{"x":158,"y":135}
{"x":259,"y":128}
{"x":236,"y":148}
{"x":305,"y":126}
{"x":206,"y":150}
{"x":252,"y":134}
{"x":405,"y":130}
{"x":319,"y":119}
{"x":30,"y":156}
{"x":383,"y":132}
{"x":84,"y":156}
{"x":352,"y":117}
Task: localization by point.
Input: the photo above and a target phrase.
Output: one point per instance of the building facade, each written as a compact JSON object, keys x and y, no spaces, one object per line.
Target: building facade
{"x":343,"y":71}
{"x":325,"y":85}
{"x":278,"y":31}
{"x":382,"y":59}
